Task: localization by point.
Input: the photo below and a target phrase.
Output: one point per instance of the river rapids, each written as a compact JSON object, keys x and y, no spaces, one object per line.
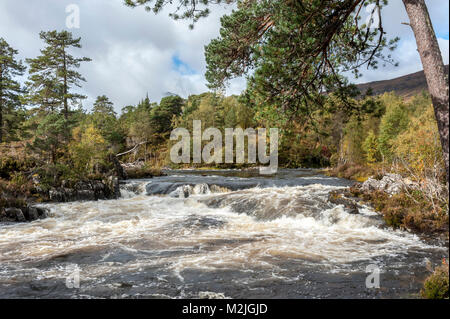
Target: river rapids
{"x":216,"y":234}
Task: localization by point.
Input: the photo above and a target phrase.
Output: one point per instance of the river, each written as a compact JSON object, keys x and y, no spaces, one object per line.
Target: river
{"x":216,"y":234}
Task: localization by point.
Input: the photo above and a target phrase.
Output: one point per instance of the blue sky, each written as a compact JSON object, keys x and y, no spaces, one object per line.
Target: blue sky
{"x":443,"y":34}
{"x":134,"y":52}
{"x":182,"y":67}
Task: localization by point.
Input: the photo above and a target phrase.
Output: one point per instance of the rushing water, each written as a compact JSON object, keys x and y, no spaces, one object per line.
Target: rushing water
{"x":216,"y":234}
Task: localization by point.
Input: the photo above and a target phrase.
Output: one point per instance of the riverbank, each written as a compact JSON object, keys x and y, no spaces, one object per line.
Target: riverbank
{"x":401,"y":201}
{"x":22,"y":192}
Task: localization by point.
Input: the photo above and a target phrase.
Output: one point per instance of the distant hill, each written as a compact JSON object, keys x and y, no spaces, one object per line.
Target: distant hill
{"x":406,"y":86}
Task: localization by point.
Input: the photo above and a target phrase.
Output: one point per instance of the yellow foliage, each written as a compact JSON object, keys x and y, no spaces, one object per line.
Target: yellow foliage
{"x":87,"y":148}
{"x":419,"y":145}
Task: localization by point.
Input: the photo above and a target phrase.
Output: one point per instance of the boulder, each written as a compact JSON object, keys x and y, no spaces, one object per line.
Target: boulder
{"x":42,"y":212}
{"x":183,"y":191}
{"x":15,"y":214}
{"x":87,"y":191}
{"x":30,"y":213}
{"x":389,"y":183}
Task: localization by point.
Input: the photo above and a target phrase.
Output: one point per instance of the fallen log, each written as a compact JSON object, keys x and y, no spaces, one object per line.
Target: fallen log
{"x":133,"y":149}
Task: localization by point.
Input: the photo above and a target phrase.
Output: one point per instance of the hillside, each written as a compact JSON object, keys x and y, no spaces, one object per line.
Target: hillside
{"x":406,"y":85}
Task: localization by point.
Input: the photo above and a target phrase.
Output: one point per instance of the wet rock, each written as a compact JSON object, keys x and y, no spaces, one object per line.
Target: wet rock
{"x":22,"y":214}
{"x":218,"y":189}
{"x":15,"y":214}
{"x":119,"y":170}
{"x":87,"y":191}
{"x":42,"y":212}
{"x":201,"y":189}
{"x":183,"y":191}
{"x":32,"y":214}
{"x":339,"y":198}
{"x":200,"y":222}
{"x":112,"y":182}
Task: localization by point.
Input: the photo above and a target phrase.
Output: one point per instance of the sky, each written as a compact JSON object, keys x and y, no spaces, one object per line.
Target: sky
{"x":135,"y":53}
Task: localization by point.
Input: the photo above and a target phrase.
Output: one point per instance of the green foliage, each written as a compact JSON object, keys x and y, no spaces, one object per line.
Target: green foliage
{"x":162,"y":114}
{"x":292,"y":49}
{"x":392,"y":124}
{"x":11,"y":165}
{"x":352,"y":144}
{"x":104,"y":118}
{"x":103,"y":105}
{"x":51,"y":136}
{"x":419,"y":146}
{"x":10,"y":89}
{"x":194,"y":10}
{"x":53,"y":73}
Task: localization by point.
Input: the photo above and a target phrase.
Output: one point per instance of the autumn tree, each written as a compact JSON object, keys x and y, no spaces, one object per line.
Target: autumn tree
{"x":10,"y":88}
{"x":88,"y":148}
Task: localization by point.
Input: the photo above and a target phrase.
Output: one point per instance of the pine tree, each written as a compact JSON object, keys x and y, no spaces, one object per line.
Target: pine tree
{"x":53,"y":74}
{"x":104,"y":118}
{"x":103,"y":105}
{"x":51,"y":134}
{"x":10,"y":88}
{"x":161,"y":115}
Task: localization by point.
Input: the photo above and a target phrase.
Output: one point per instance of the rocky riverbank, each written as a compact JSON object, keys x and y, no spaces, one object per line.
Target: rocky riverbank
{"x":16,"y":207}
{"x":23,"y":214}
{"x":86,"y":190}
{"x":400,"y":202}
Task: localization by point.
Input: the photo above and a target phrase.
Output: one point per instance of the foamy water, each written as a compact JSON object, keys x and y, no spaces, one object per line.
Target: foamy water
{"x":167,"y":244}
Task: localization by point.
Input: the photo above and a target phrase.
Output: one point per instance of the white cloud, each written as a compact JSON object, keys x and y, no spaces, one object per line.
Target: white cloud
{"x":406,"y":54}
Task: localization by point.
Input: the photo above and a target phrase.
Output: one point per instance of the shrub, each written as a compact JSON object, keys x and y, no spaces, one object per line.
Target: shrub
{"x":412,"y":211}
{"x":436,"y":285}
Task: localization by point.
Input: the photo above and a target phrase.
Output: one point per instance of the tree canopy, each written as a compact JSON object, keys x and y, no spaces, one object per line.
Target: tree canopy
{"x":53,"y":73}
{"x":10,"y":88}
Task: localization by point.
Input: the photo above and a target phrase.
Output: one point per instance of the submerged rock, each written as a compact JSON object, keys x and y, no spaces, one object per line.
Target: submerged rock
{"x":201,"y":189}
{"x":339,"y":198}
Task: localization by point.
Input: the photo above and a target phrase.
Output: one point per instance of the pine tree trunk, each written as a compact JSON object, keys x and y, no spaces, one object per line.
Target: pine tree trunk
{"x":433,"y":67}
{"x":1,"y":119}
